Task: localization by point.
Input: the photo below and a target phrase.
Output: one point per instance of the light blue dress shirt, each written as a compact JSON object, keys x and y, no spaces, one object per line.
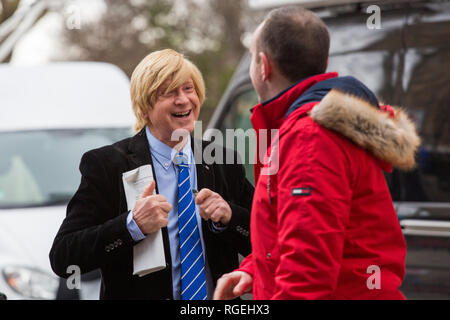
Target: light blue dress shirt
{"x":167,"y":179}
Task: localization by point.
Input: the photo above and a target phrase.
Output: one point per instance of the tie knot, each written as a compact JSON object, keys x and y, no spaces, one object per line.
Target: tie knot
{"x":181,"y":160}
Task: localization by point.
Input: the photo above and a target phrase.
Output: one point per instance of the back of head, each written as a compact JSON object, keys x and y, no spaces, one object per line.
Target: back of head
{"x":297,"y":41}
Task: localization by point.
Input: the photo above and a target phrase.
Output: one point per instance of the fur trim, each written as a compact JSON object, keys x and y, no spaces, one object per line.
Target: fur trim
{"x":393,"y":140}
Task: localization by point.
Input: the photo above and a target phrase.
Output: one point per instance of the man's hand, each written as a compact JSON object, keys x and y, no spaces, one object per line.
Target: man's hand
{"x":213,"y":206}
{"x":151,"y":211}
{"x":232,"y":285}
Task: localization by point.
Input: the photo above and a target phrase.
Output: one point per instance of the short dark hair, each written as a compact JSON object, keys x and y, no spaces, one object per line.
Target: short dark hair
{"x":297,"y":41}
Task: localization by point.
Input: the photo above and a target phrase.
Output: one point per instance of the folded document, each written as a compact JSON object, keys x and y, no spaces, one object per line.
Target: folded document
{"x":148,"y":255}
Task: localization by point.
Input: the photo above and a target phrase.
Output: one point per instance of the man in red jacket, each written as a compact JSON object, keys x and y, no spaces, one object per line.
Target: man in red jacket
{"x":323,"y":225}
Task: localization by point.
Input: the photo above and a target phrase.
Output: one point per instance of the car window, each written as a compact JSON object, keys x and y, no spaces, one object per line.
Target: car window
{"x":41,"y":167}
{"x":426,"y":94}
{"x":239,"y":117}
{"x":414,"y":76}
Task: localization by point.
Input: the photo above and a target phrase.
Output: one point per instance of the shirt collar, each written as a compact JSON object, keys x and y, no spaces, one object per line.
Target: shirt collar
{"x":164,"y":153}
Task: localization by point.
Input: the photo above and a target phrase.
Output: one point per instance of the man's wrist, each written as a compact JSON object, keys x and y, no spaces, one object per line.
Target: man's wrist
{"x":133,"y":228}
{"x":217,"y":227}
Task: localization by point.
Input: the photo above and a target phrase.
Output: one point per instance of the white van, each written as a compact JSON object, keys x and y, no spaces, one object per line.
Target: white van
{"x":49,"y":116}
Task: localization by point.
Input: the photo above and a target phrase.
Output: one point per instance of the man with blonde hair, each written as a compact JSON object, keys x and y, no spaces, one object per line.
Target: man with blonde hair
{"x":202,"y":235}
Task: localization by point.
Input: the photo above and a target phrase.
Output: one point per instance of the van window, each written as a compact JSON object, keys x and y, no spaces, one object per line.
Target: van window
{"x":40,"y":167}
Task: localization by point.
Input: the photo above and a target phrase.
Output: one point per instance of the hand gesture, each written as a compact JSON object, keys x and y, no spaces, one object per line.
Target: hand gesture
{"x":151,"y":211}
{"x":232,"y":285}
{"x":213,"y":206}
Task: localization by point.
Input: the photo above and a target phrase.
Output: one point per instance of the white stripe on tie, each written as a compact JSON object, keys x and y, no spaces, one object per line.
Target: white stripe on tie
{"x":186,"y":209}
{"x":197,"y":291}
{"x":193,"y":247}
{"x":193,"y":281}
{"x":193,"y":263}
{"x":195,"y":228}
{"x":187,"y":192}
{"x":183,"y":181}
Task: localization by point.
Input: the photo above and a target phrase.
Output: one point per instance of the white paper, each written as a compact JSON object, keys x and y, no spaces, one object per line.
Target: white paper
{"x":148,"y":255}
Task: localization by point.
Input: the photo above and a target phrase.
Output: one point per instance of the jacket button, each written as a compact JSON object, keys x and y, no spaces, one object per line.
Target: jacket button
{"x":269,"y":255}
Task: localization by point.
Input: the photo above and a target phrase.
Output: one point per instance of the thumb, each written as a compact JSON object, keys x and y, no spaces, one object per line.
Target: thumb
{"x":148,"y":191}
{"x":202,"y":195}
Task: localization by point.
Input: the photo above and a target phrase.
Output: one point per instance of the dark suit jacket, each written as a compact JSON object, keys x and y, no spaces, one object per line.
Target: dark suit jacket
{"x":94,"y":233}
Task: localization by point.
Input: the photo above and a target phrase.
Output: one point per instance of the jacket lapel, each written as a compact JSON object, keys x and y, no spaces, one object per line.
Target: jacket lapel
{"x":205,"y":179}
{"x":139,"y":150}
{"x":205,"y":175}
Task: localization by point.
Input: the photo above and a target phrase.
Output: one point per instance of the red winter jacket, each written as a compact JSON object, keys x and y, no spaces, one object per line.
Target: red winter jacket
{"x":323,"y":225}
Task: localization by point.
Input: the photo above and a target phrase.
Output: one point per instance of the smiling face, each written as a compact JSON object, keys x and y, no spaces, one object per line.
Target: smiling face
{"x":167,"y":91}
{"x":178,"y":108}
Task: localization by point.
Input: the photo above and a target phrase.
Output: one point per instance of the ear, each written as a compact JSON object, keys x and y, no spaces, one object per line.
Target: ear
{"x":266,"y":67}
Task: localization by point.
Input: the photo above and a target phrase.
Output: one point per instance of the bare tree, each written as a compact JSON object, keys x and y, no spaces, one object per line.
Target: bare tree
{"x":15,"y":22}
{"x":8,"y":7}
{"x":208,"y":32}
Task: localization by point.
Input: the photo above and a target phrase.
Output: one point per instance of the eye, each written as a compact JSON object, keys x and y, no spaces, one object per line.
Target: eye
{"x":189,"y":88}
{"x":164,"y":94}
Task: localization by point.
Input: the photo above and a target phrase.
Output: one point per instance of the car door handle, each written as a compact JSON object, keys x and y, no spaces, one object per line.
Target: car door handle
{"x":432,"y":228}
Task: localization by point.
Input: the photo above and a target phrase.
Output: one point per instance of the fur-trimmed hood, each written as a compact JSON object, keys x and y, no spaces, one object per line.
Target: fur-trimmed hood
{"x":390,"y":138}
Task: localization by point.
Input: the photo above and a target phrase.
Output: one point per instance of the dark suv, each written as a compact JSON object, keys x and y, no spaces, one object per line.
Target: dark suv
{"x":406,"y":63}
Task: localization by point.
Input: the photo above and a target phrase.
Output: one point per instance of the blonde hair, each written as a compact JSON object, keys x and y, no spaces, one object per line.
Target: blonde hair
{"x":152,"y":72}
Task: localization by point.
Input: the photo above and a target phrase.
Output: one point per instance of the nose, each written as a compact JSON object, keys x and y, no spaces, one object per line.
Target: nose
{"x":181,"y":97}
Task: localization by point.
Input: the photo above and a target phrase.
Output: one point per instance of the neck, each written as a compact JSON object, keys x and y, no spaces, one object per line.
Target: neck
{"x":277,"y":85}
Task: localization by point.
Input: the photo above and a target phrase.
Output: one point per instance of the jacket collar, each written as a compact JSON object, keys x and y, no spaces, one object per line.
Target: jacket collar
{"x":347,"y":84}
{"x":270,"y":114}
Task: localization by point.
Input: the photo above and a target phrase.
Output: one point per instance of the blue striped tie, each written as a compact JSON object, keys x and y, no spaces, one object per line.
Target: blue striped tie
{"x":193,"y":280}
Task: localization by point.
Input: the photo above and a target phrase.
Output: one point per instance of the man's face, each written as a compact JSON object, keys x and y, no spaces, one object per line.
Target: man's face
{"x":256,"y":65}
{"x":176,"y":109}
